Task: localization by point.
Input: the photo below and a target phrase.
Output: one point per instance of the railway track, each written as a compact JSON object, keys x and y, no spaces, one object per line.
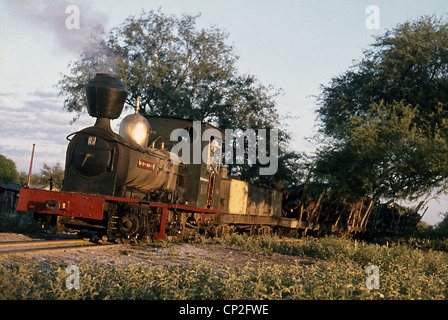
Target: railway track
{"x":11,"y":247}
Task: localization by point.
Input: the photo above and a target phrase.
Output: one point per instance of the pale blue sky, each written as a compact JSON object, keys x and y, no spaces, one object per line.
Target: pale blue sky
{"x":293,"y":45}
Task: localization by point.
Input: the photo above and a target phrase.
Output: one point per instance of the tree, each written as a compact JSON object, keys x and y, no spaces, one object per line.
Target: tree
{"x":385,"y":119}
{"x":173,"y":67}
{"x":47,"y":172}
{"x":177,"y":70}
{"x":8,"y":170}
{"x":55,"y":173}
{"x":407,"y":64}
{"x":386,"y":155}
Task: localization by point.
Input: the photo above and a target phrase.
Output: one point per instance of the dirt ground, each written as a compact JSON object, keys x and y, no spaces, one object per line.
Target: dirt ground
{"x":217,"y":255}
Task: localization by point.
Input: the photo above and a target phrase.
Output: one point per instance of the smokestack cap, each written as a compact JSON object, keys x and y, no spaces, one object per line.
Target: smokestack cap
{"x":106,"y":95}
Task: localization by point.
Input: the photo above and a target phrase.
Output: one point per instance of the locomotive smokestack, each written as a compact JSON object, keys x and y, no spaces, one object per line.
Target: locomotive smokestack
{"x":106,"y":95}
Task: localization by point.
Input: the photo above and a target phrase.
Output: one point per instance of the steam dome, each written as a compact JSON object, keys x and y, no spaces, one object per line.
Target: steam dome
{"x":135,"y":128}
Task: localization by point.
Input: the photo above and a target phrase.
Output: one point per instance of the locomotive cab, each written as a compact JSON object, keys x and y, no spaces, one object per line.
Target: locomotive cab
{"x":200,"y":187}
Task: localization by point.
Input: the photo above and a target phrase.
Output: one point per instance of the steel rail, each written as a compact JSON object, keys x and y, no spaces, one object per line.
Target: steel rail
{"x":17,"y":247}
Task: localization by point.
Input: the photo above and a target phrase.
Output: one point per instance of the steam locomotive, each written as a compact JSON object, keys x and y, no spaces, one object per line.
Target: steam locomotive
{"x":131,"y":187}
{"x":134,"y":186}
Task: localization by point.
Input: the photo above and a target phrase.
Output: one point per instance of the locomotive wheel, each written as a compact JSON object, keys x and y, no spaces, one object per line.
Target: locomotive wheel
{"x":128,"y":225}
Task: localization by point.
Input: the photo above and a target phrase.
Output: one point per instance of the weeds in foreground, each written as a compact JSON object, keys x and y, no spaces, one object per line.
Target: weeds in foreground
{"x":404,"y":273}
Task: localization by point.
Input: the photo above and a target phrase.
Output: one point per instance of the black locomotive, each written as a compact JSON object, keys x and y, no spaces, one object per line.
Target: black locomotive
{"x":131,"y":187}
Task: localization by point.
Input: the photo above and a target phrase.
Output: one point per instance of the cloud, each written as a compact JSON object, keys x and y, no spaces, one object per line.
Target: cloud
{"x":44,"y":94}
{"x":41,"y":120}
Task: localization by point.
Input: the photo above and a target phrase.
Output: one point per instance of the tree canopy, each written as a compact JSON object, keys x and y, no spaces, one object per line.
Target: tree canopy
{"x":47,"y":172}
{"x":408,"y":64}
{"x":8,"y":170}
{"x":179,"y":70}
{"x":384,"y":121}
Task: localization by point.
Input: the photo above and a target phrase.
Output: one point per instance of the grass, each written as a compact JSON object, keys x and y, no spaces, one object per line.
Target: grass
{"x":406,"y":272}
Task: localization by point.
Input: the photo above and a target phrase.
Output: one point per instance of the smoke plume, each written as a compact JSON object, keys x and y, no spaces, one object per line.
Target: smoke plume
{"x":74,"y":24}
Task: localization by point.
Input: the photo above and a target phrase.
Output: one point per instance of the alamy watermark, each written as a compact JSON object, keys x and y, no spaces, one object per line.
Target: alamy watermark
{"x":72,"y":281}
{"x":373,"y":280}
{"x":73,"y":20}
{"x":254,"y":142}
{"x":373,"y":19}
